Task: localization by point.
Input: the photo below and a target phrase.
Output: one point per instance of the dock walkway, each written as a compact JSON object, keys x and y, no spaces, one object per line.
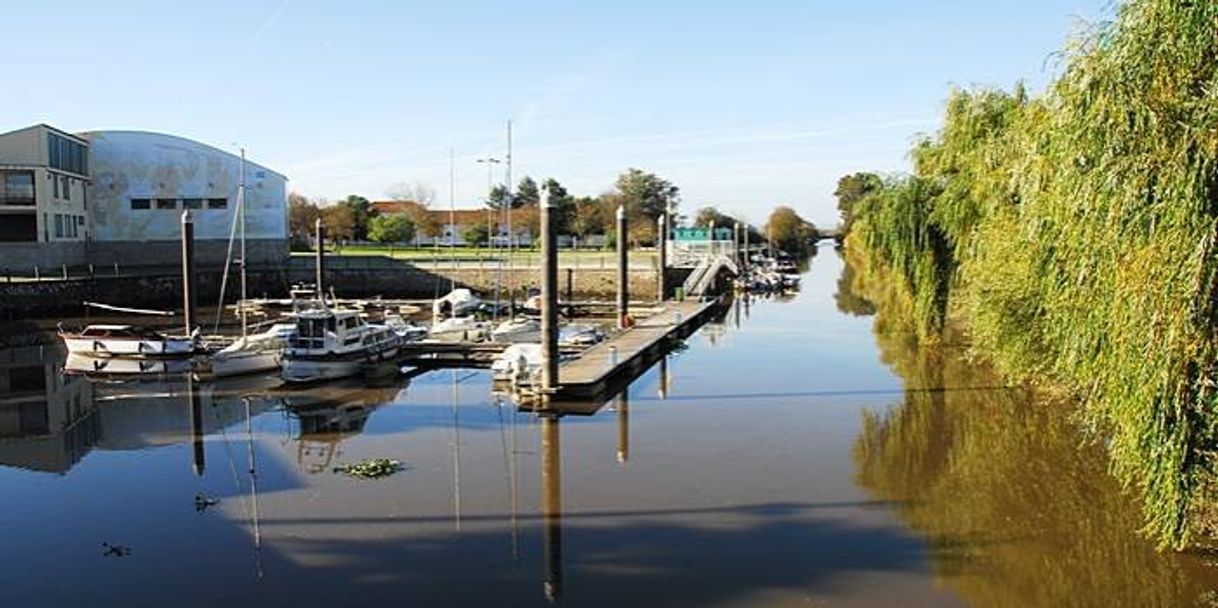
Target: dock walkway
{"x":594,"y":370}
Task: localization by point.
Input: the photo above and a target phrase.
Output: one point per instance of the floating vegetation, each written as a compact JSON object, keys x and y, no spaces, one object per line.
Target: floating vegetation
{"x":115,"y":550}
{"x":1075,"y":237}
{"x":371,"y":468}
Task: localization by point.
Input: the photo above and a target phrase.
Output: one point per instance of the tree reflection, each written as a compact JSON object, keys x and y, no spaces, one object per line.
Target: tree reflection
{"x":1018,"y":509}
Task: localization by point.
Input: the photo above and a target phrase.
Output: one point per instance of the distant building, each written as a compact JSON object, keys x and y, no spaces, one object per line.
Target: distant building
{"x":452,"y":225}
{"x":44,"y":174}
{"x":106,"y":197}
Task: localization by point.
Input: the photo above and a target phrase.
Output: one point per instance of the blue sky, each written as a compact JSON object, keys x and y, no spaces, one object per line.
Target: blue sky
{"x":744,"y":105}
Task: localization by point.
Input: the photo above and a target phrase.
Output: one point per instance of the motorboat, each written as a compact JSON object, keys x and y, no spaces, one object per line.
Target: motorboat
{"x":408,"y":331}
{"x":126,"y":341}
{"x":255,"y":353}
{"x":517,"y":330}
{"x":518,"y":364}
{"x":458,"y":329}
{"x":580,"y":335}
{"x":457,"y":303}
{"x":336,"y":343}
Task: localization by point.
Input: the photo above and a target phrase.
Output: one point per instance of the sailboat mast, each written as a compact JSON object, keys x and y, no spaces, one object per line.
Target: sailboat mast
{"x":241,"y":211}
{"x":452,"y":216}
{"x":510,"y":232}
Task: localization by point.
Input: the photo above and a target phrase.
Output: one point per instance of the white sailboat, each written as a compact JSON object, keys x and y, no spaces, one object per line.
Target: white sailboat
{"x":256,"y":353}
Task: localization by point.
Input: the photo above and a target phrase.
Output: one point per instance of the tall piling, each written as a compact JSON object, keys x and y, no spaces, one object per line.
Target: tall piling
{"x":623,"y":271}
{"x":662,"y":245}
{"x":320,"y":229}
{"x":623,"y":425}
{"x":189,"y":292}
{"x":199,"y":463}
{"x":551,"y":505}
{"x":549,"y":292}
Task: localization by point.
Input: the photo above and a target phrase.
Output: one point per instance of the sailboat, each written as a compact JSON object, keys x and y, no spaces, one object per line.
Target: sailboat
{"x":250,"y":353}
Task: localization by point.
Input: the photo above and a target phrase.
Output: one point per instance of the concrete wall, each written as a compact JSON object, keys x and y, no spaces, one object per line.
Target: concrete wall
{"x":349,"y":277}
{"x":23,"y":257}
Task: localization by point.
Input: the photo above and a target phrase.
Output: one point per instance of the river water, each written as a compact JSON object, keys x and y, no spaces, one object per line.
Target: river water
{"x":789,"y":455}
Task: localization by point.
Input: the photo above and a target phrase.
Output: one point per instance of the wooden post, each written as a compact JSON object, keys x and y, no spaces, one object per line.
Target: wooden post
{"x":661,"y":278}
{"x":551,"y":505}
{"x":188,"y":271}
{"x":196,"y":425}
{"x":623,"y":425}
{"x":623,"y":271}
{"x":549,"y":292}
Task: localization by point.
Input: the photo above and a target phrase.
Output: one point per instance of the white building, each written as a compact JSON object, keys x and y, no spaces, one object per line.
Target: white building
{"x":106,"y":197}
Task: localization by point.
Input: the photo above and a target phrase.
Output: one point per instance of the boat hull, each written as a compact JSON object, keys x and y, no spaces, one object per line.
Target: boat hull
{"x":238,"y":364}
{"x":306,"y":368}
{"x":114,"y":347}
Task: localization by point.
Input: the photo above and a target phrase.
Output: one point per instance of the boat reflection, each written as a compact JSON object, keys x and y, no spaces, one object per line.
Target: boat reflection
{"x":49,"y":419}
{"x":328,"y":414}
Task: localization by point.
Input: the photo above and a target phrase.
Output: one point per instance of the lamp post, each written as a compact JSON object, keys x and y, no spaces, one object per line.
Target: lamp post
{"x":490,"y":163}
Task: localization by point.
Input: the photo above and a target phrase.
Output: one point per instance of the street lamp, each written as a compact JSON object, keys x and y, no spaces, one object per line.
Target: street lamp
{"x":490,"y":163}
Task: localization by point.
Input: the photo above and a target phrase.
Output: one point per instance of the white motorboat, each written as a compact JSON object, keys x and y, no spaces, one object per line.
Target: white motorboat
{"x":458,"y":303}
{"x":408,"y":331}
{"x":333,"y":344}
{"x":580,"y":335}
{"x":518,"y":364}
{"x":126,"y":341}
{"x":517,"y":331}
{"x":255,"y":353}
{"x":458,"y":329}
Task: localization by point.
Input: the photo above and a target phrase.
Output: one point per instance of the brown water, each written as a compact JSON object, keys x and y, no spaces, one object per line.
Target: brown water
{"x":788,"y":456}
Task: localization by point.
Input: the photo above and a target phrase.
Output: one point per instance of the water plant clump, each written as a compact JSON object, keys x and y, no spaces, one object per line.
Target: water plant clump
{"x":1074,"y":236}
{"x":371,"y":468}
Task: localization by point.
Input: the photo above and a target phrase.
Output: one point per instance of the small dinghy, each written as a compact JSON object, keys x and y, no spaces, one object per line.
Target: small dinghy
{"x":458,"y":303}
{"x":458,"y":329}
{"x":518,"y":364}
{"x":254,"y":353}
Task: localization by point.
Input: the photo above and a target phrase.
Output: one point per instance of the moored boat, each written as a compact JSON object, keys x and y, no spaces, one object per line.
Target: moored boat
{"x":126,"y":341}
{"x":332,"y":344}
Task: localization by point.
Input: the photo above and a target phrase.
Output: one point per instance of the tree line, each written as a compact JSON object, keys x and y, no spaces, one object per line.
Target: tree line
{"x":644,"y":196}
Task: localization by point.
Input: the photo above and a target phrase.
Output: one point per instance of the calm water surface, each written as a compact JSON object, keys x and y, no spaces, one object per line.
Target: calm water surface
{"x":788,"y":456}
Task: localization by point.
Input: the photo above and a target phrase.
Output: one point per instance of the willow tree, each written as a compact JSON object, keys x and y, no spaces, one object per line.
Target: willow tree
{"x":1076,"y":235}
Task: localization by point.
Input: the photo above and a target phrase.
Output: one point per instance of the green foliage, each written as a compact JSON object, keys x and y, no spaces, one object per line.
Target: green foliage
{"x":527,"y":194}
{"x":394,"y":228}
{"x":1076,"y":236}
{"x":477,"y":234}
{"x":791,"y":233}
{"x":646,"y":195}
{"x":361,"y":213}
{"x":850,"y":190}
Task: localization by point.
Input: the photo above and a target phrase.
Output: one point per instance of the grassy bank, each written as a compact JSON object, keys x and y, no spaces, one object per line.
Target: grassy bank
{"x":1073,"y":237}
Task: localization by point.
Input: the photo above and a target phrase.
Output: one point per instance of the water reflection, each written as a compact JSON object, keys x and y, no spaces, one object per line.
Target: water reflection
{"x":1018,"y":509}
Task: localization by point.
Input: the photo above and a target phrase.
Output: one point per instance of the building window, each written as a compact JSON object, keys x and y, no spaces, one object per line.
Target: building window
{"x":58,"y":226}
{"x":66,"y":188}
{"x":67,"y":155}
{"x":217,"y":203}
{"x":16,"y":188}
{"x":55,"y":187}
{"x":141,"y":203}
{"x":166,"y":203}
{"x":192,"y":203}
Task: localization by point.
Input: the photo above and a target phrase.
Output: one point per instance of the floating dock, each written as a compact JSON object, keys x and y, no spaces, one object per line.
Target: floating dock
{"x":594,"y":372}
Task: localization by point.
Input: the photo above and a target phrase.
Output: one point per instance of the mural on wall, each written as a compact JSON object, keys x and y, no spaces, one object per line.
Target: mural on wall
{"x":128,"y":165}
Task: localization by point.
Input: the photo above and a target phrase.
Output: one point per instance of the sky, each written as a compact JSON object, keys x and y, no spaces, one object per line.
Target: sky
{"x":743,"y":105}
